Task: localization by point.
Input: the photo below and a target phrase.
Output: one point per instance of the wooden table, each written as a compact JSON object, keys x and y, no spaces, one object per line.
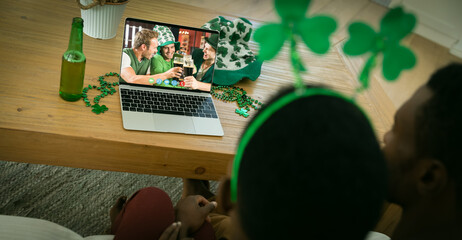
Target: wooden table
{"x":37,"y":126}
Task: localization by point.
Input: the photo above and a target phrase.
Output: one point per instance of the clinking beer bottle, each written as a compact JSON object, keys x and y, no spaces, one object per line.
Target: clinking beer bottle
{"x":73,"y":64}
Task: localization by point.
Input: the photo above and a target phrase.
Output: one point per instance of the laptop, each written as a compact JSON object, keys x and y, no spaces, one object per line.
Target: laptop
{"x":166,"y":105}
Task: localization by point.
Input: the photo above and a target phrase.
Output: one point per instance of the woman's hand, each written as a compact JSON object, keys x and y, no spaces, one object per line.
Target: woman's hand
{"x":191,"y":82}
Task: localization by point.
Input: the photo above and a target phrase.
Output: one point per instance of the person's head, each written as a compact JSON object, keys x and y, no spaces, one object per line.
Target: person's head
{"x":168,"y":51}
{"x":423,"y":147}
{"x":210,"y":48}
{"x":167,"y":43}
{"x":313,"y":169}
{"x":146,"y":42}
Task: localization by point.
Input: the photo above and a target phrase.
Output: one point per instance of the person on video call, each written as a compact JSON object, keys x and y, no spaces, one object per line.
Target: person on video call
{"x":204,"y":61}
{"x":163,"y":60}
{"x":136,"y":61}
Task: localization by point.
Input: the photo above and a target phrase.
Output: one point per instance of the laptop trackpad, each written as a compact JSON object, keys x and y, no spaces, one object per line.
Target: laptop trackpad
{"x":173,"y":123}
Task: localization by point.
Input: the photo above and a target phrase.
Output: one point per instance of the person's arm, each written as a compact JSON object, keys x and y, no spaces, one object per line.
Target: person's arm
{"x":129,"y":75}
{"x":191,"y":82}
{"x":192,"y":211}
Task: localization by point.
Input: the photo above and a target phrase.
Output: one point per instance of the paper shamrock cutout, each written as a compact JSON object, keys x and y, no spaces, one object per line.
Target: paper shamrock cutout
{"x":314,"y":31}
{"x":99,"y":109}
{"x":394,"y":26}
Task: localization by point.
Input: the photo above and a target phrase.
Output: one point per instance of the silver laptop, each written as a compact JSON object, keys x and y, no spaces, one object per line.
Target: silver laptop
{"x":152,"y":102}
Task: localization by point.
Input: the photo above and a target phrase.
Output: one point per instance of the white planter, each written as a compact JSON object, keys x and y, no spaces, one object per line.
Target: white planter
{"x":101,"y":21}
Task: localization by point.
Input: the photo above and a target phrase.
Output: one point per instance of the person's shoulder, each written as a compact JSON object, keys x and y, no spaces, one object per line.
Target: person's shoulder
{"x":158,"y":58}
{"x":127,"y":50}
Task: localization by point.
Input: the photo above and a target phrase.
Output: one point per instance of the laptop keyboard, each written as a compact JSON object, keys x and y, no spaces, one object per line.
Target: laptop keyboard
{"x":167,"y":103}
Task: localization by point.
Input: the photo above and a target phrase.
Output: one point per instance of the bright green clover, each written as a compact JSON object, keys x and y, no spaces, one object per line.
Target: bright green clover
{"x":314,"y":31}
{"x":242,"y":112}
{"x":394,"y":26}
{"x":99,"y":109}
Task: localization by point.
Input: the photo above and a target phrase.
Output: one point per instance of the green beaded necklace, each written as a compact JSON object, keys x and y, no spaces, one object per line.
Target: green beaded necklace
{"x":237,"y":94}
{"x":105,"y":87}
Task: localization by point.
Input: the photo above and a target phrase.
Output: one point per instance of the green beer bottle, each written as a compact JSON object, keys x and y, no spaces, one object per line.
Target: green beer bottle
{"x":73,"y":64}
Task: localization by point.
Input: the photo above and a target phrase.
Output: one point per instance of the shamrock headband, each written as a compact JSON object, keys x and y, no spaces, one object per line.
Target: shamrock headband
{"x":263,"y":116}
{"x":315,"y":32}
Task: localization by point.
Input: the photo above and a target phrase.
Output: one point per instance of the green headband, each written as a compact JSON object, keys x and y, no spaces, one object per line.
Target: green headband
{"x":315,"y":32}
{"x":263,"y":117}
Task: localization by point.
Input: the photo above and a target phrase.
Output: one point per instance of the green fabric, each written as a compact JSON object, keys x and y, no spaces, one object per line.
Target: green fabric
{"x":166,"y":37}
{"x":198,"y":58}
{"x":235,"y":60}
{"x":159,"y":65}
{"x":225,"y":77}
{"x":140,"y":68}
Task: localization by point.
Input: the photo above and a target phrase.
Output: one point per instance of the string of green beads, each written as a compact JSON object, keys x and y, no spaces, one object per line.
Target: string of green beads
{"x":106,"y":88}
{"x":235,"y":94}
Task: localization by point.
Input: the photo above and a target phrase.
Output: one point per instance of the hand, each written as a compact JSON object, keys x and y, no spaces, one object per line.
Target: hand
{"x":171,"y":233}
{"x":173,"y":72}
{"x":191,"y":82}
{"x":192,"y":211}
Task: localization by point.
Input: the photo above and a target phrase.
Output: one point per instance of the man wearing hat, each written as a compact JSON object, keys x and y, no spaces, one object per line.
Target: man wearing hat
{"x":163,"y":61}
{"x":204,"y":61}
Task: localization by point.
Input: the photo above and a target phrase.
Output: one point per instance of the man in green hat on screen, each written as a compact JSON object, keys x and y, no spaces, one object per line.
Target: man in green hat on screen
{"x":163,"y":60}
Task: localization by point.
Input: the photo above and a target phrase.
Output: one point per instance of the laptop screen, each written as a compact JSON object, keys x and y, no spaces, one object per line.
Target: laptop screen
{"x":167,"y":56}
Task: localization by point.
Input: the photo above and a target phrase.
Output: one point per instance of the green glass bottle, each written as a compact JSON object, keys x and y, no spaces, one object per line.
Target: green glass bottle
{"x":73,"y":64}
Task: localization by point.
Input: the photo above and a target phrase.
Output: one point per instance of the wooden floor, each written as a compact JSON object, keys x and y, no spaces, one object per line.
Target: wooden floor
{"x":383,"y":98}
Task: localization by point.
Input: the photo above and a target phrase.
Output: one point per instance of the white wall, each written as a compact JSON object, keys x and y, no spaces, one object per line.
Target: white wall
{"x":438,"y":20}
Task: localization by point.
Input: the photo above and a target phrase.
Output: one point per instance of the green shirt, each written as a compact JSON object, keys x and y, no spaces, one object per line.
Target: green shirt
{"x":140,"y":68}
{"x":159,"y":65}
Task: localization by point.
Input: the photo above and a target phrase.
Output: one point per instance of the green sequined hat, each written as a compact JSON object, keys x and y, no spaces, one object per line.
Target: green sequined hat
{"x":235,"y":60}
{"x":165,"y":37}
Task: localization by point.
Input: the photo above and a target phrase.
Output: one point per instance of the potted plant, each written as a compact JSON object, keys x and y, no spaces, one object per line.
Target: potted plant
{"x":101,"y":17}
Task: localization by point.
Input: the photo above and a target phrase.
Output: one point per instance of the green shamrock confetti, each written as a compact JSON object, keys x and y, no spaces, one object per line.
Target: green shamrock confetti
{"x":99,"y":109}
{"x":242,"y":112}
{"x":314,"y":31}
{"x":394,"y":26}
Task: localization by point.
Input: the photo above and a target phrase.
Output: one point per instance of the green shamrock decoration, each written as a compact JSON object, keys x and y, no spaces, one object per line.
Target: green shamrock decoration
{"x":99,"y":109}
{"x":394,"y":26}
{"x":105,"y":87}
{"x":242,"y":112}
{"x":314,"y":31}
